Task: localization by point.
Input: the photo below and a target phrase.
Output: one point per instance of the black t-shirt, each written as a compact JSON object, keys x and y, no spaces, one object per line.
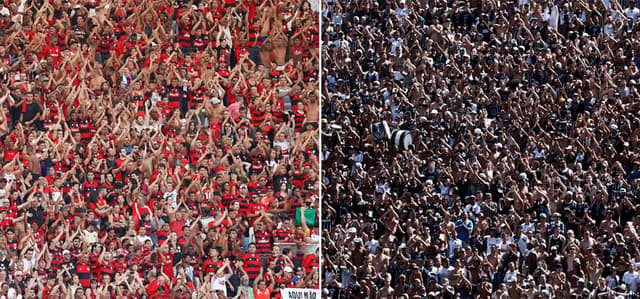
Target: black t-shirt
{"x":70,"y":266}
{"x":356,"y":290}
{"x":37,"y":214}
{"x":112,"y":164}
{"x":234,"y":279}
{"x":30,"y":112}
{"x":278,"y":180}
{"x":4,"y":264}
{"x":431,"y":175}
{"x":309,"y":185}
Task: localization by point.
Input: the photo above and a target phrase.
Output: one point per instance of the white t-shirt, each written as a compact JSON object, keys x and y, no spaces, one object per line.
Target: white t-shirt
{"x":373,"y":245}
{"x":173,"y":196}
{"x":402,"y":13}
{"x":477,"y":208}
{"x":612,"y":281}
{"x":396,"y":44}
{"x":632,"y":279}
{"x":219,"y":284}
{"x":28,"y":263}
{"x":510,"y":275}
{"x":632,"y":13}
{"x":284,"y":146}
{"x":539,"y":153}
{"x":345,"y":275}
{"x":453,"y":244}
{"x":139,"y":127}
{"x":444,"y":272}
{"x":12,"y":294}
{"x":528,"y":227}
{"x":55,"y":195}
{"x":337,"y":19}
{"x":493,"y":241}
{"x":504,"y":245}
{"x":523,"y":241}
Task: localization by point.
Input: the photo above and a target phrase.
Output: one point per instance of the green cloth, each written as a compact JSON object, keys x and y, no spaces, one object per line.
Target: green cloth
{"x":309,"y":216}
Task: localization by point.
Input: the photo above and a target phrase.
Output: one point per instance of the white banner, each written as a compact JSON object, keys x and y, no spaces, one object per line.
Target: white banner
{"x":300,"y":293}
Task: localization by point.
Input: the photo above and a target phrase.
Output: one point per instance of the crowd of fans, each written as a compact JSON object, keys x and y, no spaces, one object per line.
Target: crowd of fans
{"x":523,"y":178}
{"x":158,"y":149}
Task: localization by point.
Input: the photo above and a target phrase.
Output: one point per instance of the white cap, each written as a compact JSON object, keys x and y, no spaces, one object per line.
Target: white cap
{"x":215,"y":101}
{"x":288,"y":269}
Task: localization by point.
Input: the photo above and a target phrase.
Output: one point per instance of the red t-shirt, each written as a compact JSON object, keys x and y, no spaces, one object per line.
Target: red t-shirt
{"x":256,"y":207}
{"x":176,"y":227}
{"x":262,"y":294}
